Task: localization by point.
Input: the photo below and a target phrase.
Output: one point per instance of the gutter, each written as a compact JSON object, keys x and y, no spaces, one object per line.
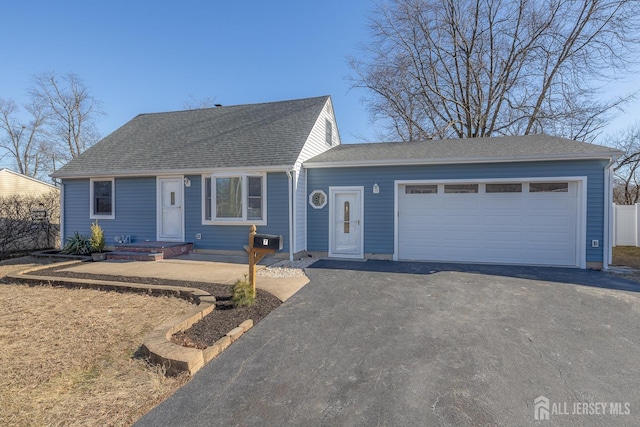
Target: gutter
{"x":163,"y":172}
{"x":62,"y":215}
{"x":290,"y":172}
{"x":457,"y":160}
{"x":607,"y":253}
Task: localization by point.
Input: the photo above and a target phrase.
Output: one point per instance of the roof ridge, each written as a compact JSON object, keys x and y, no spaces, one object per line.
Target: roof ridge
{"x":234,"y":105}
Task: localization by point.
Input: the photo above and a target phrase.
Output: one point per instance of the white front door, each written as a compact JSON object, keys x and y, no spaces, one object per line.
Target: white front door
{"x":346,"y":222}
{"x":170,"y":209}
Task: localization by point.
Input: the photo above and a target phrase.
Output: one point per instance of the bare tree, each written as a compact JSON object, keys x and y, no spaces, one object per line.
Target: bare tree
{"x":626,"y":186}
{"x":194,"y":103}
{"x":477,"y":68}
{"x":24,"y":141}
{"x":73,"y":112}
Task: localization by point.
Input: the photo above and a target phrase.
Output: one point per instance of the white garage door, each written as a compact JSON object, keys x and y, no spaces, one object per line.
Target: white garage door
{"x":532,"y":223}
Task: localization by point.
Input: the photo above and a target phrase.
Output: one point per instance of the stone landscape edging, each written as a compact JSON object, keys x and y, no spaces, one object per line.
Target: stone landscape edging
{"x":157,"y":344}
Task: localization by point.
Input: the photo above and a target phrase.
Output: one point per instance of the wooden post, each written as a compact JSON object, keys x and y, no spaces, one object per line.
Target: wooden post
{"x":255,"y":255}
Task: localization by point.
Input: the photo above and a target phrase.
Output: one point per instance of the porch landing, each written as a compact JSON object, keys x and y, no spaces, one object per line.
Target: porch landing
{"x":149,"y":251}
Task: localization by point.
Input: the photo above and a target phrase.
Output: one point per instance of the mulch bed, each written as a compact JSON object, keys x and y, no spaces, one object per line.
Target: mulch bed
{"x":212,"y":327}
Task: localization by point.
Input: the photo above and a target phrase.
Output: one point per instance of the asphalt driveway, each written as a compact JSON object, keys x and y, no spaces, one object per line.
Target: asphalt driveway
{"x":389,"y":343}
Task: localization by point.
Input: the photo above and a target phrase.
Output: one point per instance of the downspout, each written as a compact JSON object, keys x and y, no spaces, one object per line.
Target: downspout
{"x":608,"y":214}
{"x":290,"y":179}
{"x":62,"y":214}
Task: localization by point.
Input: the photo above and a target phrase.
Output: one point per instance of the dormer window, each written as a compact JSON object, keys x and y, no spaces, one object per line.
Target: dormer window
{"x":328,"y":132}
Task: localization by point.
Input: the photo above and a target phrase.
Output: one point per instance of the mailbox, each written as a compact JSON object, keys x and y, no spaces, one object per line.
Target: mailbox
{"x":268,"y":241}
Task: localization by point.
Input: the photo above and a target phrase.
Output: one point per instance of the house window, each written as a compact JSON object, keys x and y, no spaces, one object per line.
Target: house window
{"x":328,"y":132}
{"x":234,"y":199}
{"x":254,"y":196}
{"x":421,"y":189}
{"x":549,"y":187}
{"x":347,"y":217}
{"x":207,"y":199}
{"x":504,"y":188}
{"x":461,"y":188}
{"x":102,"y":202}
{"x":229,"y":197}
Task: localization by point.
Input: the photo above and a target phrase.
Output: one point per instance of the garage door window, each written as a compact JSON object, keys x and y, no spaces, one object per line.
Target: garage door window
{"x":549,"y":187}
{"x":461,"y":188}
{"x":421,"y":189}
{"x":504,"y":188}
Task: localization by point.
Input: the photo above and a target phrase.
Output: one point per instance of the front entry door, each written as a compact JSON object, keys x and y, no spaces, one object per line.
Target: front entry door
{"x":346,"y":222}
{"x":170,"y":209}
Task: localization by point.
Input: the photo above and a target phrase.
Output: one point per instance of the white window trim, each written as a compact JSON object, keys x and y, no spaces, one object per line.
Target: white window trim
{"x":93,"y":215}
{"x":245,"y":183}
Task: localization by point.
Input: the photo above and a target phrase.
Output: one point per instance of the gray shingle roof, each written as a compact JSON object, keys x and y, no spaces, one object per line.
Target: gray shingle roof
{"x":506,"y":148}
{"x":252,"y":135}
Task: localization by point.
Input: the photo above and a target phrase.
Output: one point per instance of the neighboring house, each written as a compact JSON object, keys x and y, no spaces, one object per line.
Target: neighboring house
{"x":204,"y":176}
{"x":29,"y":213}
{"x":535,"y":200}
{"x":14,"y":183}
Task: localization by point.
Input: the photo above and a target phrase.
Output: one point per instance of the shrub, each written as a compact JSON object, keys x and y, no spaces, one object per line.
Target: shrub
{"x":243,"y":293}
{"x":78,"y":244}
{"x":97,"y":238}
{"x":29,"y":222}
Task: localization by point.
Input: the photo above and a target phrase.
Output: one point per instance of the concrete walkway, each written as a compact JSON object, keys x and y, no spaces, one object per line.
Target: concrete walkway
{"x":195,"y":268}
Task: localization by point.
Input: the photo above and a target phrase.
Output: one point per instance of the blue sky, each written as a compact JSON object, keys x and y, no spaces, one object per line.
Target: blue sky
{"x":141,"y":56}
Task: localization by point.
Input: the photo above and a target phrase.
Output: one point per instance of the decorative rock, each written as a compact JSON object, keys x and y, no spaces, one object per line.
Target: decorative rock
{"x":222,"y":343}
{"x":246,"y":325}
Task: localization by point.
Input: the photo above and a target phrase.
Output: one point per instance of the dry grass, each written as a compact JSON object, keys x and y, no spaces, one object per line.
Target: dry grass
{"x":67,"y":355}
{"x":626,"y":255}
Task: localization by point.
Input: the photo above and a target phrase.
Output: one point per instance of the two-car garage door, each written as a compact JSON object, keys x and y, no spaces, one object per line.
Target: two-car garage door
{"x":534,"y":223}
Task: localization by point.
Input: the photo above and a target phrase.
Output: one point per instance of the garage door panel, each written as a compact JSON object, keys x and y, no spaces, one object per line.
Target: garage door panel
{"x":458,"y":201}
{"x":504,"y":220}
{"x":549,"y":239}
{"x":541,"y":256}
{"x":518,"y":228}
{"x":503,"y":237}
{"x":503,"y":203}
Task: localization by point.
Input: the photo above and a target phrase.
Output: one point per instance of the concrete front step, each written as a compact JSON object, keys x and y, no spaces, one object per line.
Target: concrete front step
{"x":134,"y":256}
{"x":166,"y":249}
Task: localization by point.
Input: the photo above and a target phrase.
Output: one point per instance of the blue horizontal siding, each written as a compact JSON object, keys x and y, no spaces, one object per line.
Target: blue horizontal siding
{"x":235,"y":237}
{"x":136,"y":213}
{"x":379,"y":208}
{"x":135,"y":205}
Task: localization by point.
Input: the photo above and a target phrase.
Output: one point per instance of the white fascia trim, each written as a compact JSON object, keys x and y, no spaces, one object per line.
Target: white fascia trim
{"x":581,"y":234}
{"x":446,"y":161}
{"x":167,"y":172}
{"x":492,"y":180}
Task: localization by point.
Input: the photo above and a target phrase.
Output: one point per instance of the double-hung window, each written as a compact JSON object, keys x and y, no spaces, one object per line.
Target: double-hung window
{"x":234,"y":199}
{"x":102,"y":204}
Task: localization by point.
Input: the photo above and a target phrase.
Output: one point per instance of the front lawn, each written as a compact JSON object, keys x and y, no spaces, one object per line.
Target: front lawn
{"x":626,"y":255}
{"x":69,"y":356}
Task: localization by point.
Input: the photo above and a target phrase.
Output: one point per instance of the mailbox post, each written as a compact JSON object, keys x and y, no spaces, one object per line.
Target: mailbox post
{"x":259,"y":246}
